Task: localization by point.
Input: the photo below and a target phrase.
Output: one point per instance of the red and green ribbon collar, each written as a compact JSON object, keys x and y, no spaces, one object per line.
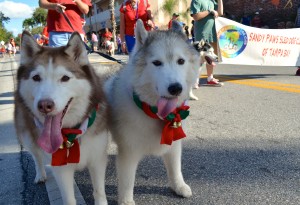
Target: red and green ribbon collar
{"x":69,"y":151}
{"x":172,"y":130}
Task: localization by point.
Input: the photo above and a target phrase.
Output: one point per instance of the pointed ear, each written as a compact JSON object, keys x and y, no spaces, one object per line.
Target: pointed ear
{"x":176,"y":26}
{"x":196,"y":45}
{"x":76,"y":49}
{"x":29,"y":47}
{"x":202,"y":42}
{"x":140,"y":33}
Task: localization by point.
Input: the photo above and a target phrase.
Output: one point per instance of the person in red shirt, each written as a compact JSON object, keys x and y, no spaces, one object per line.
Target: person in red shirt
{"x":130,"y":12}
{"x":107,"y":35}
{"x":45,"y":36}
{"x":174,"y":17}
{"x":59,"y":29}
{"x":13,"y":44}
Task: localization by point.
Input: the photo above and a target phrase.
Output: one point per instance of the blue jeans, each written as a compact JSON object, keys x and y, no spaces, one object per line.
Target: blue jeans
{"x":57,"y":39}
{"x":130,"y":41}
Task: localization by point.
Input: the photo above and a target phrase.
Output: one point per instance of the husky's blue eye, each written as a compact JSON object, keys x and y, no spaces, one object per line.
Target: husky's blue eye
{"x":180,"y":61}
{"x":65,"y":78}
{"x":36,"y":78}
{"x":157,"y":63}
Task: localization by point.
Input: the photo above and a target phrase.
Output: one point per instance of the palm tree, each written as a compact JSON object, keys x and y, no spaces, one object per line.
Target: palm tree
{"x":113,"y":19}
{"x":28,"y":23}
{"x":90,"y":15}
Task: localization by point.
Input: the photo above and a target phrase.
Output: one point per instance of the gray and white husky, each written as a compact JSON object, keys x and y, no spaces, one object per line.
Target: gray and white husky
{"x":60,"y":111}
{"x":146,"y":98}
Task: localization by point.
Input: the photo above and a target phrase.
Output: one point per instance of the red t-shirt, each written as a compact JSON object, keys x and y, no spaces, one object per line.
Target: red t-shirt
{"x":131,"y":16}
{"x":57,"y":22}
{"x":170,"y":24}
{"x":107,"y":35}
{"x":45,"y":33}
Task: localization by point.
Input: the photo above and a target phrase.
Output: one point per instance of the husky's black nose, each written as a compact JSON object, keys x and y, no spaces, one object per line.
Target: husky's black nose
{"x":175,"y":89}
{"x":46,"y":106}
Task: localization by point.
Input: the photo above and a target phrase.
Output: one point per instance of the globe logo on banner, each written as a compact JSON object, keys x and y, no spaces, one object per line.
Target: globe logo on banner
{"x":232,"y":41}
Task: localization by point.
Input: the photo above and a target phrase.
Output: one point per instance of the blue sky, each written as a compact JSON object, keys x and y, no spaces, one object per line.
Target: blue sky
{"x":17,"y":11}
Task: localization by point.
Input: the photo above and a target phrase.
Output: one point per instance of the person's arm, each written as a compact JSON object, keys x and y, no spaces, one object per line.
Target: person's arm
{"x":122,"y":32}
{"x":200,"y":15}
{"x":220,"y":7}
{"x":122,"y":27}
{"x":219,"y":11}
{"x":45,"y":4}
{"x":45,"y":37}
{"x":149,"y":14}
{"x":150,"y":21}
{"x":83,"y":7}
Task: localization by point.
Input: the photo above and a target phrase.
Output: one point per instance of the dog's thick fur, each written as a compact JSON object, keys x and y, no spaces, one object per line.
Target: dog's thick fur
{"x":207,"y":55}
{"x":159,"y":60}
{"x":49,"y":80}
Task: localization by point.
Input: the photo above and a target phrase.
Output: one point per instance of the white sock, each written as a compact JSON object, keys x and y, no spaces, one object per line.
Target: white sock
{"x":209,"y":78}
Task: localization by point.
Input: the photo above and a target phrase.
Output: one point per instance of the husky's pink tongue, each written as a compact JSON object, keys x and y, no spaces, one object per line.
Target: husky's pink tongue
{"x":51,"y":138}
{"x":165,"y":106}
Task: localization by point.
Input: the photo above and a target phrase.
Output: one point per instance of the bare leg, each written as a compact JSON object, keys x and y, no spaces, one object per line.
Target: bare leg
{"x":210,"y":68}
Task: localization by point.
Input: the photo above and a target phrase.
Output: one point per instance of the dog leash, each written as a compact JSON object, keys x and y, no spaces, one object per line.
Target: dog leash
{"x":88,"y":48}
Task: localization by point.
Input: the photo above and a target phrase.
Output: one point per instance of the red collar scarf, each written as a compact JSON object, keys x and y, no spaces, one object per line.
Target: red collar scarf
{"x":172,"y":130}
{"x":69,"y":151}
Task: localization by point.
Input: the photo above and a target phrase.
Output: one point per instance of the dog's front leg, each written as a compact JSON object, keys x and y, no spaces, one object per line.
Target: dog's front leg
{"x":39,"y":166}
{"x":172,"y":160}
{"x":97,"y":172}
{"x":37,"y":155}
{"x":64,"y":176}
{"x":126,"y":167}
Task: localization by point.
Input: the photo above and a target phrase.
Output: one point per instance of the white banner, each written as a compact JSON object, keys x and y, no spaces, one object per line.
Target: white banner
{"x":240,"y":44}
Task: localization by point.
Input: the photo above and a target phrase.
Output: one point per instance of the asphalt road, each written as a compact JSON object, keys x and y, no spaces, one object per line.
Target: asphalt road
{"x":242,"y":144}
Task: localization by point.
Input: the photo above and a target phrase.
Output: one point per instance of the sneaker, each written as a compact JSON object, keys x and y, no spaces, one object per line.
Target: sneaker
{"x":298,"y":72}
{"x":215,"y":82}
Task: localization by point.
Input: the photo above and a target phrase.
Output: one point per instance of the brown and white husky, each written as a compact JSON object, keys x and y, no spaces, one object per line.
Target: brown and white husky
{"x":60,"y":114}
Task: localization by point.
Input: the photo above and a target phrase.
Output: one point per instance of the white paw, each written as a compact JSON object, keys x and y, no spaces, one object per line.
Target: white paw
{"x":101,"y":202}
{"x":40,"y":178}
{"x":127,"y":203}
{"x":193,"y":97}
{"x":183,"y":190}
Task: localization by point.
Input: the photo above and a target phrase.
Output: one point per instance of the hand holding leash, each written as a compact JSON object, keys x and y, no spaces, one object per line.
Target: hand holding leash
{"x":150,"y":24}
{"x":60,"y":8}
{"x":123,"y":47}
